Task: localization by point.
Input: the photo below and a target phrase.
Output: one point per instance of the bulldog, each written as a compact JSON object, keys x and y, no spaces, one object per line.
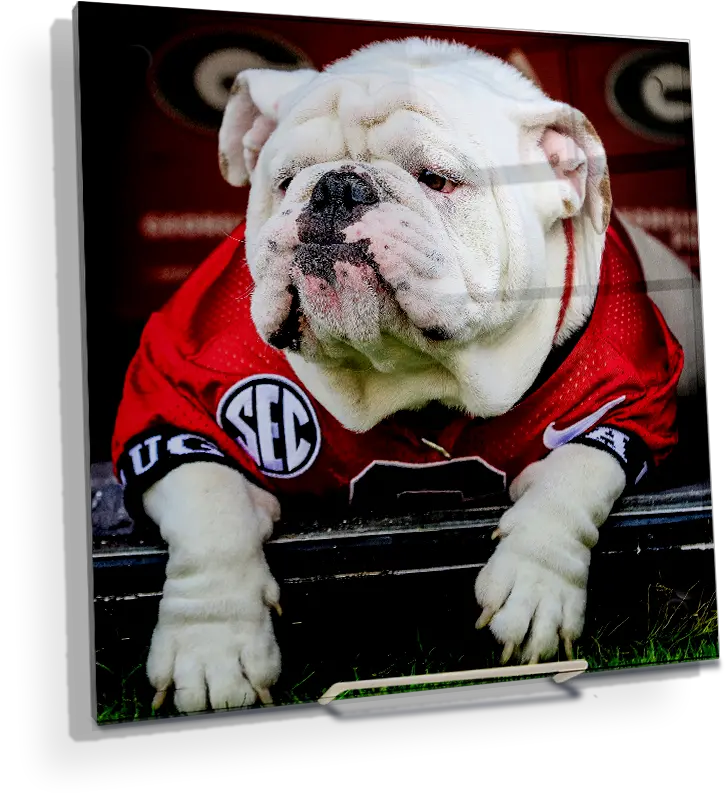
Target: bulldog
{"x":426,"y":231}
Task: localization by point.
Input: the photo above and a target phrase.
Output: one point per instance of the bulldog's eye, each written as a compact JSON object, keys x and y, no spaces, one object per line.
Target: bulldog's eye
{"x":284,"y":184}
{"x":436,"y":181}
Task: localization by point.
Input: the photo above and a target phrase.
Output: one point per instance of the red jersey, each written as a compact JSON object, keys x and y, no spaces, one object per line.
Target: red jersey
{"x":204,"y":386}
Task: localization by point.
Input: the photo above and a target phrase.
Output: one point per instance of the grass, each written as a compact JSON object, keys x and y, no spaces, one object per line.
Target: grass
{"x":678,"y":631}
{"x":674,"y":637}
{"x":676,"y":634}
{"x":131,"y":703}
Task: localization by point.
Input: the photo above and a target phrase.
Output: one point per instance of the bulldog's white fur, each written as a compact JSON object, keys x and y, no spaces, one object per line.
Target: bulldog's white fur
{"x":482,"y":264}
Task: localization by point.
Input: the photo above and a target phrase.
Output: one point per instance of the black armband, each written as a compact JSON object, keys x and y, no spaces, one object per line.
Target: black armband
{"x":628,"y":449}
{"x":152,"y":454}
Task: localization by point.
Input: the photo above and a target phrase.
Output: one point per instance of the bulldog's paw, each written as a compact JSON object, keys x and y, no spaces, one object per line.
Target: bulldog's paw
{"x":214,"y":639}
{"x":533,"y":588}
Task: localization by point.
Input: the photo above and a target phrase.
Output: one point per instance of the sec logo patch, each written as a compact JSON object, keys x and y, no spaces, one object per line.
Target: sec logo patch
{"x":273,"y":420}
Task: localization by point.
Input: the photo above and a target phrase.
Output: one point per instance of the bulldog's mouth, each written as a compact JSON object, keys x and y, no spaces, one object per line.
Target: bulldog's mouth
{"x":289,"y":334}
{"x":321,"y":260}
{"x":329,"y":278}
{"x":320,"y":274}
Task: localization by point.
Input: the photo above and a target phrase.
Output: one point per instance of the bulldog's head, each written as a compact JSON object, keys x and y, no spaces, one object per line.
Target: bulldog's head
{"x":405,"y":224}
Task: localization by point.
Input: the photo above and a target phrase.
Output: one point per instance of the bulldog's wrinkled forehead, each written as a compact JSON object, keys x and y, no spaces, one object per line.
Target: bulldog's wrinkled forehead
{"x":359,"y":113}
{"x":370,"y":116}
{"x":368,"y":99}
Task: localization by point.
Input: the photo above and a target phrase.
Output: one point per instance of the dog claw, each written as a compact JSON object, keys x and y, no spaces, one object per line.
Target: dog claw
{"x":496,"y":534}
{"x":264,"y":696}
{"x":158,"y":699}
{"x":568,"y":649}
{"x":484,"y":619}
{"x":508,"y":650}
{"x":277,"y":608}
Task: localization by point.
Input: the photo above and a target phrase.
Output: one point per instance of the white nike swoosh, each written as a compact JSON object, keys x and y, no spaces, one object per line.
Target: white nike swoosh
{"x":554,"y":438}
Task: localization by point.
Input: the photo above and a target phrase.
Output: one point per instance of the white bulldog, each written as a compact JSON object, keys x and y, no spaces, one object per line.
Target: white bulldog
{"x":406,"y":238}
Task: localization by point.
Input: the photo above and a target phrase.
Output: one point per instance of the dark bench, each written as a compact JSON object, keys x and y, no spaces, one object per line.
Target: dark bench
{"x":672,"y":512}
{"x":130,"y":562}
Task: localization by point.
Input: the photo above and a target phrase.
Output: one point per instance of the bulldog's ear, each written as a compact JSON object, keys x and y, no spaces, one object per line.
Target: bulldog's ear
{"x":250,"y":117}
{"x":576,"y":155}
{"x":519,"y":61}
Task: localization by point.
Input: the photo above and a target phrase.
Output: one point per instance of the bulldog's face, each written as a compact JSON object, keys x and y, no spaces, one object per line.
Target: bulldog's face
{"x":406,"y":207}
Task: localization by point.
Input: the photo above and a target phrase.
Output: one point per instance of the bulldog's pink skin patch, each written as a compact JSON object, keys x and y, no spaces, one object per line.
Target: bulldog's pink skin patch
{"x":320,"y":295}
{"x":319,"y":301}
{"x":349,"y":308}
{"x":350,"y":278}
{"x":565,"y":157}
{"x":359,"y":280}
{"x":360,"y":294}
{"x":355,"y":233}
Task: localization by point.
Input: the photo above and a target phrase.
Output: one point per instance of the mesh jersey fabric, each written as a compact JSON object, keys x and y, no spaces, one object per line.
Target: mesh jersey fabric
{"x":204,"y":386}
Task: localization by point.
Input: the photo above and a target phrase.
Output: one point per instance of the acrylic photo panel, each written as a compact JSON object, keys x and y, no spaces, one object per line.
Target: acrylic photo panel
{"x":394,"y":356}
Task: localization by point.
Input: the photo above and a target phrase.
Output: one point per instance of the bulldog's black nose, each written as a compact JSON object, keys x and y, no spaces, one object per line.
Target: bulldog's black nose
{"x":338,"y":199}
{"x":342,"y":191}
